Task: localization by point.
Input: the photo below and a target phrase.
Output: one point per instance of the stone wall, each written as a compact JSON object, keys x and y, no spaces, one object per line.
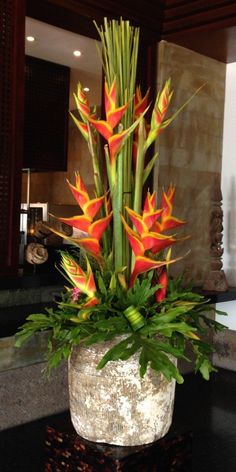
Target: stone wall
{"x":190,"y":150}
{"x":25,"y":394}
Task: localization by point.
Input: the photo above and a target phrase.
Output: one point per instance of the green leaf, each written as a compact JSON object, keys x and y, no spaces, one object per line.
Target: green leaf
{"x":101,"y":285}
{"x":167,"y":368}
{"x":130,"y":351}
{"x":159,"y":361}
{"x":116,"y":323}
{"x":55,"y":358}
{"x":115,"y":352}
{"x":205,"y":367}
{"x":22,"y":337}
{"x":141,"y":292}
{"x":143,"y":362}
{"x":166,"y":347}
{"x":149,"y":167}
{"x":219,"y":312}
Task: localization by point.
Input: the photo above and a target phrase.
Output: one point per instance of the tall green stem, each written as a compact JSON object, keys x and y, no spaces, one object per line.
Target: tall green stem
{"x":119,"y":56}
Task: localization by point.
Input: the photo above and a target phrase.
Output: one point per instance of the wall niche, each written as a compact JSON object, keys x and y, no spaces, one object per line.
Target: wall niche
{"x":46,"y":115}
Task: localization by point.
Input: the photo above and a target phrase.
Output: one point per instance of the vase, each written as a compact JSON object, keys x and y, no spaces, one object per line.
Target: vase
{"x":115,"y":405}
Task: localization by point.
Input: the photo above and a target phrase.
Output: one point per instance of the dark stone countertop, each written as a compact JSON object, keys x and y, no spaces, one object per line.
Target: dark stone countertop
{"x":206,"y":411}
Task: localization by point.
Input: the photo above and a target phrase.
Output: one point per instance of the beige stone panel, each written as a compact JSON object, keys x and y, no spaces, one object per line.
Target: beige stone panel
{"x":190,"y":149}
{"x":182,"y":60}
{"x":198,"y":124}
{"x":206,"y":104}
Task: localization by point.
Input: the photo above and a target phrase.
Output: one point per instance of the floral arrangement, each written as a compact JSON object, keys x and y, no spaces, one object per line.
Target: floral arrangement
{"x":118,"y":283}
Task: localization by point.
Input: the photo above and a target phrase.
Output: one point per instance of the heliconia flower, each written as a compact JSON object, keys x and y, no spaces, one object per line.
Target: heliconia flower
{"x":140,"y":106}
{"x":113,"y":117}
{"x":81,"y":280}
{"x":97,"y":228}
{"x":137,"y":220}
{"x":82,"y":104}
{"x":115,"y":143}
{"x":150,"y":214}
{"x":167,"y":220}
{"x":79,"y":191}
{"x":81,"y":126}
{"x":170,"y":195}
{"x":94,"y":229}
{"x":146,"y":221}
{"x":144,"y":264}
{"x":147,"y":240}
{"x":92,"y":207}
{"x":89,"y":206}
{"x":161,"y":105}
{"x":89,"y":244}
{"x":162,"y":280}
{"x":134,"y":239}
{"x":113,"y":114}
{"x":102,"y":127}
{"x":159,"y":112}
{"x":156,"y":242}
{"x":140,"y":103}
{"x":80,"y":222}
{"x":150,"y":203}
{"x":91,"y":302}
{"x":85,"y":223}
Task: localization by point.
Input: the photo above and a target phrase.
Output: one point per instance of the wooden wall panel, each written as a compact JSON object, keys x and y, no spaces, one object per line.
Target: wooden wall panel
{"x":78,"y":15}
{"x":182,"y":15}
{"x":11,"y":129}
{"x":47,"y":89}
{"x":207,"y":27}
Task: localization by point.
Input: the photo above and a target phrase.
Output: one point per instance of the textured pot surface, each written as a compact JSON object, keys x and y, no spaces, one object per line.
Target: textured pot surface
{"x":114,"y":405}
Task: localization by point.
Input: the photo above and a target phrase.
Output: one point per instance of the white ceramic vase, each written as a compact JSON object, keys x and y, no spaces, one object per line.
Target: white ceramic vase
{"x":114,"y":405}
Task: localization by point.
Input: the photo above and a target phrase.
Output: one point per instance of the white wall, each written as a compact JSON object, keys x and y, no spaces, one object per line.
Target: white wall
{"x":228,"y":179}
{"x":230,"y":309}
{"x":228,"y":185}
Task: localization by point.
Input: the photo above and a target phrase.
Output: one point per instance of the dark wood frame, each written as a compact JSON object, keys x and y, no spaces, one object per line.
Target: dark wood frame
{"x":13,"y":104}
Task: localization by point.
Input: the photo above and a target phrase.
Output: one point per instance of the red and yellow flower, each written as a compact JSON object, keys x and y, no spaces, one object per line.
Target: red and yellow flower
{"x":91,"y":230}
{"x":158,"y":122}
{"x":146,"y":238}
{"x":168,"y":221}
{"x":113,"y":117}
{"x":162,"y":279}
{"x":82,"y":281}
{"x":85,"y":112}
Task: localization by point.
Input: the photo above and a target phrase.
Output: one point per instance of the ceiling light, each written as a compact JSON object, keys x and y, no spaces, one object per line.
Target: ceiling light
{"x":86,"y":89}
{"x":77,"y":53}
{"x":30,"y":38}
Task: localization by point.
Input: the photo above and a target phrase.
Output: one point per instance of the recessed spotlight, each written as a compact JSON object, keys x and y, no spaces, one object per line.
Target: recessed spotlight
{"x":77,"y":53}
{"x":30,"y":38}
{"x":86,"y":89}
